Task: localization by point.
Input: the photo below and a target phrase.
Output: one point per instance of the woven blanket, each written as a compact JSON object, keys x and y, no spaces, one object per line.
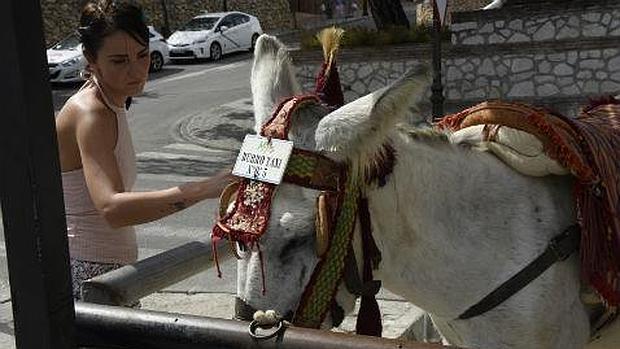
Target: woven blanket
{"x":589,"y":147}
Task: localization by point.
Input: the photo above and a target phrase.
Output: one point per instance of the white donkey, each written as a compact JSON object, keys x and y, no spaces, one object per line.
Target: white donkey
{"x":451,"y":223}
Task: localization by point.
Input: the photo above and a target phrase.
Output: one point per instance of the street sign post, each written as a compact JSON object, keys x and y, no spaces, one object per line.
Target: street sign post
{"x":437,"y":99}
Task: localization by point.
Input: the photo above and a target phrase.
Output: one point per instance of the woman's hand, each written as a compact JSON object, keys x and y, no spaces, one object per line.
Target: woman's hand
{"x":219,"y":181}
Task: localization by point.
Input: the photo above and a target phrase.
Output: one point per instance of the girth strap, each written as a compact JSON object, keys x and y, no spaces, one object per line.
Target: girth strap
{"x":558,"y":249}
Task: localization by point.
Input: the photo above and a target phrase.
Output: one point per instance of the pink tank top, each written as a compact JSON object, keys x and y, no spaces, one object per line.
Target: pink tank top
{"x":90,"y":237}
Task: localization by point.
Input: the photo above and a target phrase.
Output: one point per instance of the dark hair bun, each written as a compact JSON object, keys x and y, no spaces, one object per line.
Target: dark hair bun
{"x":101,"y":18}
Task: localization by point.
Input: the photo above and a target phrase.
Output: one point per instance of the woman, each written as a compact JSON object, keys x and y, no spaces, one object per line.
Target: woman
{"x":96,"y":152}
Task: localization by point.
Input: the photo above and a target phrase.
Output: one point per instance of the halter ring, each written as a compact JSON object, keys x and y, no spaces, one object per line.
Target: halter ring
{"x":254,"y":325}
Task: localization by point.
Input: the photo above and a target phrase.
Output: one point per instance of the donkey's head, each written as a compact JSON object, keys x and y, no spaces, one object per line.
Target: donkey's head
{"x":287,"y":249}
{"x":353,"y":133}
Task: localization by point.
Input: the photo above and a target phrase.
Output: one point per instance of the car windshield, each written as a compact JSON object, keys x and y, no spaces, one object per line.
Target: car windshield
{"x":202,"y":23}
{"x":69,"y":43}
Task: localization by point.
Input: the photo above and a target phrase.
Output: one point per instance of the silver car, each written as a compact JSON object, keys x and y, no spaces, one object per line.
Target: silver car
{"x":212,"y":35}
{"x":67,"y":63}
{"x":65,"y":60}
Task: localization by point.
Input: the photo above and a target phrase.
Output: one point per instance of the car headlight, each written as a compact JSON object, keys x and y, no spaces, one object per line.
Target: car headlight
{"x":70,"y":62}
{"x":199,"y":41}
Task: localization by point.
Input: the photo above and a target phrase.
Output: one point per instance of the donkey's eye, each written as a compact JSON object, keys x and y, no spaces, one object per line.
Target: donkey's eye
{"x":294,"y":245}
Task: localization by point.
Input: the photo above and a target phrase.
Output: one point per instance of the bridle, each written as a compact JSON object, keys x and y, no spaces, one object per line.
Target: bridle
{"x":337,"y":209}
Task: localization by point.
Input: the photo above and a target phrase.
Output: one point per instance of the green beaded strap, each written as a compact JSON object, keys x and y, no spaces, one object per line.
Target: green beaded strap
{"x":320,"y":291}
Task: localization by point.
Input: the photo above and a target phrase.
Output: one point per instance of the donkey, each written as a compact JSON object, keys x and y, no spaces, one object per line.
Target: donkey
{"x":451,"y":223}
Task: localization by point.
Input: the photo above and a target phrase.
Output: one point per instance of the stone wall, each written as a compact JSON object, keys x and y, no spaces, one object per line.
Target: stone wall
{"x":543,"y":70}
{"x":549,"y":20}
{"x":60,"y":17}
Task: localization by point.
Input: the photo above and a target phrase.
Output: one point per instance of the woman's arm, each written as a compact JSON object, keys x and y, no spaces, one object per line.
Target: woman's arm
{"x":96,"y":134}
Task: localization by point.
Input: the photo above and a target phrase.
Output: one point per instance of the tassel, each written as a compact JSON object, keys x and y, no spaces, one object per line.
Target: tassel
{"x":369,"y":318}
{"x":262,"y":268}
{"x":214,"y":240}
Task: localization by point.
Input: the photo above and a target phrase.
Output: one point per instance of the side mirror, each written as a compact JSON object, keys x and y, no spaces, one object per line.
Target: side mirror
{"x":223,"y":28}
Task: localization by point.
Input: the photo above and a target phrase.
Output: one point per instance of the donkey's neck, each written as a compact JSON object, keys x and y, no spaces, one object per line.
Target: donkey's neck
{"x":449,"y":213}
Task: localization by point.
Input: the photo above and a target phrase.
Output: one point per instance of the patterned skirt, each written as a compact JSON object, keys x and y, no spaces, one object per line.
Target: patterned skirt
{"x":84,"y":270}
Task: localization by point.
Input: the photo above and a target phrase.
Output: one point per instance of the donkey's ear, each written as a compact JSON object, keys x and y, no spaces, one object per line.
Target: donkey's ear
{"x":364,"y":123}
{"x":273,"y":78}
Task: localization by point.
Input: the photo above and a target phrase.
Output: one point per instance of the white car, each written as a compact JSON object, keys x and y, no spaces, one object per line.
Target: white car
{"x":212,"y":35}
{"x":158,"y":48}
{"x":66,"y":62}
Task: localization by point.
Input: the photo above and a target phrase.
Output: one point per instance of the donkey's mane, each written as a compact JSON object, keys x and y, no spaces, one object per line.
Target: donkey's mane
{"x":426,"y":134}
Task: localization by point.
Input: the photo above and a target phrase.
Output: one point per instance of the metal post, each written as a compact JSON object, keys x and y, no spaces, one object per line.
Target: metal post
{"x":30,"y":186}
{"x":225,"y":5}
{"x":437,"y":98}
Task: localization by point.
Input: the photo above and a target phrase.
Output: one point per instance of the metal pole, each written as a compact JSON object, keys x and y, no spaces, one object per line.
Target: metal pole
{"x":30,"y":186}
{"x":225,"y":5}
{"x":124,"y":328}
{"x":437,"y":98}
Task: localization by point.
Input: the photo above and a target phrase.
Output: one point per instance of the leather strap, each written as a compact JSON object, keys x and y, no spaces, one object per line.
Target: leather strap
{"x":559,"y":248}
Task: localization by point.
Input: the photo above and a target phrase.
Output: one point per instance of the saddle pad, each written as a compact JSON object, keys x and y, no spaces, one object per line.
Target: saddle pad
{"x":518,"y":149}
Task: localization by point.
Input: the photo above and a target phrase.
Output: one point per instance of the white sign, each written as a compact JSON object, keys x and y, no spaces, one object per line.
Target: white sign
{"x":263,"y":159}
{"x":442,"y":6}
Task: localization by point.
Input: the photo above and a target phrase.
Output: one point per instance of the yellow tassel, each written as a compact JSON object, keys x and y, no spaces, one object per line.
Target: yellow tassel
{"x":330,"y":40}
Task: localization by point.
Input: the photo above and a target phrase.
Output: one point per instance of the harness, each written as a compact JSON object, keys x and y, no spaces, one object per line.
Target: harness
{"x":340,"y":201}
{"x":340,"y":204}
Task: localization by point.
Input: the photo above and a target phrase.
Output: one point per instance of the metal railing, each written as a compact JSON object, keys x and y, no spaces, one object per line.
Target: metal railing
{"x":126,"y":285}
{"x":102,"y":326}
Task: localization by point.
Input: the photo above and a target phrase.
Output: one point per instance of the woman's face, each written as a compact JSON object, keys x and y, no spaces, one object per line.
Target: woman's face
{"x":122,"y":64}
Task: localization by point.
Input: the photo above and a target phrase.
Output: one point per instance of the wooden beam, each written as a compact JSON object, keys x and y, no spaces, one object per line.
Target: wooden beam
{"x":30,"y":186}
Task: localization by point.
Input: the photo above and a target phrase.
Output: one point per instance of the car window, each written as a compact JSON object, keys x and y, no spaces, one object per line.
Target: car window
{"x":201,"y":23}
{"x":228,"y":21}
{"x":71,"y":42}
{"x":236,"y":19}
{"x":244,"y":18}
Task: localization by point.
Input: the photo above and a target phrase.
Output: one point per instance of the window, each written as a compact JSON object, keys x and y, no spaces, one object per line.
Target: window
{"x":228,"y":21}
{"x":200,"y":23}
{"x":240,"y":19}
{"x":71,"y":42}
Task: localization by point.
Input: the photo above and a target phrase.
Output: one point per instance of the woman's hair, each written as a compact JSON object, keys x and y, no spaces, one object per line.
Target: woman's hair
{"x":101,"y":18}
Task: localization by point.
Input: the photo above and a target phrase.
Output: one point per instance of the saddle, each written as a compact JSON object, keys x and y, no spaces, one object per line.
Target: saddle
{"x":537,"y":142}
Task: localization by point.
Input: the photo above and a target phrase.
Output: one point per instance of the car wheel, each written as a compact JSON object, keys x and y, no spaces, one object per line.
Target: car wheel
{"x":254,"y":38}
{"x":157,"y":61}
{"x":215,"y":51}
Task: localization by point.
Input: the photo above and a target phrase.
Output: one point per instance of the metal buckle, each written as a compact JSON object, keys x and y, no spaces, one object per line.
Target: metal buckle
{"x":562,"y":245}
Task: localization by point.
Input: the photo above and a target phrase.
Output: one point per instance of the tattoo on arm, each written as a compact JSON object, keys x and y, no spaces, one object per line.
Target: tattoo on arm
{"x":179,"y":205}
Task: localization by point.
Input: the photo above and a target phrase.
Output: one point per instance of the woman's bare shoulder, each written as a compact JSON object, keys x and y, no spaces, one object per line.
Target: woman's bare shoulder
{"x":85,"y":109}
{"x":90,"y":119}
